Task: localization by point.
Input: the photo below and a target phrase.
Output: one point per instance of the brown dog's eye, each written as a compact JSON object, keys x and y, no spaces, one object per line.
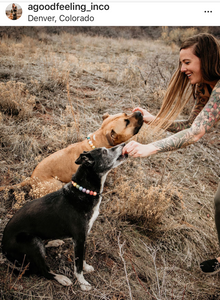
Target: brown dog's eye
{"x":112,"y":133}
{"x":127,"y":122}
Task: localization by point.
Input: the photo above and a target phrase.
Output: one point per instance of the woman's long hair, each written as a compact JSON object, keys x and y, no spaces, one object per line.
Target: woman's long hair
{"x":206,"y":47}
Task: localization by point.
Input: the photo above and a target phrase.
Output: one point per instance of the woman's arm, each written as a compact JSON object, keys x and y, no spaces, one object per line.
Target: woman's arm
{"x":203,"y":122}
{"x":177,"y":126}
{"x":209,"y":116}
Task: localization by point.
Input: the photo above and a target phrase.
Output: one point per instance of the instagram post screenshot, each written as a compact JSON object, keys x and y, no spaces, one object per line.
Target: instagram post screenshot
{"x":109,"y":150}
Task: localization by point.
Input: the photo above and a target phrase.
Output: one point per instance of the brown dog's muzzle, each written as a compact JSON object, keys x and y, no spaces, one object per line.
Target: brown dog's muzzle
{"x":139,"y":117}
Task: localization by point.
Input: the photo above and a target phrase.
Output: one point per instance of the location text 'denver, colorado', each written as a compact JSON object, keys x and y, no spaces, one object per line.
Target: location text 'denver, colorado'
{"x":62,"y":18}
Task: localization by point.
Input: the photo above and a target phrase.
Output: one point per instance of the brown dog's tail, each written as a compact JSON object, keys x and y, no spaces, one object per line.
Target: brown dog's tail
{"x":23,"y":183}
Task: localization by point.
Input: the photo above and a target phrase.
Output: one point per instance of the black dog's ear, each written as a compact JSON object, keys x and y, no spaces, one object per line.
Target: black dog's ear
{"x":85,"y":158}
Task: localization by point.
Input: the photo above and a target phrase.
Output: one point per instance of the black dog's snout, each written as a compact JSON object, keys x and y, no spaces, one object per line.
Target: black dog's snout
{"x":117,"y":147}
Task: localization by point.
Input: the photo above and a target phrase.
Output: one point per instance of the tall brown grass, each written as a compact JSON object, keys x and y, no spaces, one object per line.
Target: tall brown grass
{"x":139,"y":205}
{"x":177,"y":35}
{"x":16,"y":99}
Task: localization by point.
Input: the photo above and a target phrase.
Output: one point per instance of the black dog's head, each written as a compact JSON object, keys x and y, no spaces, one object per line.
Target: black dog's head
{"x":102,"y":160}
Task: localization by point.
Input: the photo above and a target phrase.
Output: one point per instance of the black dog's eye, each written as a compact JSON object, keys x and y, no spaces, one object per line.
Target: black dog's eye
{"x":105,"y":151}
{"x":127,"y":122}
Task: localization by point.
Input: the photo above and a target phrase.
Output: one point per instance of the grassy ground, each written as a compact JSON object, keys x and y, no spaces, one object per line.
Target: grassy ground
{"x":156,"y":222}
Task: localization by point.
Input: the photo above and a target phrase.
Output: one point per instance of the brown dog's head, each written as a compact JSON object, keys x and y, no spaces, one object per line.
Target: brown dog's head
{"x":121,"y":127}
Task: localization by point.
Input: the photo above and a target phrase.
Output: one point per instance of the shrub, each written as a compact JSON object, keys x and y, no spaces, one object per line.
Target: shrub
{"x":16,"y":99}
{"x":140,"y":205}
{"x":177,"y":35}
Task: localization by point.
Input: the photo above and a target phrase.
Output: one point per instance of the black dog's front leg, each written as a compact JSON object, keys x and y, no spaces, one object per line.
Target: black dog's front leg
{"x":86,"y":268}
{"x":79,"y":263}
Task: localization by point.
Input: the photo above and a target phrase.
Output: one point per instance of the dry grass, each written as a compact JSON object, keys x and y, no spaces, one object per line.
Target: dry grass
{"x":177,"y":35}
{"x":16,"y":100}
{"x":157,"y":220}
{"x":40,"y":189}
{"x":139,"y":205}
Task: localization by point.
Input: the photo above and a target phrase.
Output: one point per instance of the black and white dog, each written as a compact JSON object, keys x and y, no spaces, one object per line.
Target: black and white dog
{"x":68,"y":212}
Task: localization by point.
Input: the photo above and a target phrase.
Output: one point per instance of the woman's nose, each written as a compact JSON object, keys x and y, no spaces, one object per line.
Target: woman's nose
{"x":183,"y":68}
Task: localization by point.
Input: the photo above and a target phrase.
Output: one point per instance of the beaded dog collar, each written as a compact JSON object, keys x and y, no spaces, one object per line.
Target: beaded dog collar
{"x":90,"y":142}
{"x":84,"y":190}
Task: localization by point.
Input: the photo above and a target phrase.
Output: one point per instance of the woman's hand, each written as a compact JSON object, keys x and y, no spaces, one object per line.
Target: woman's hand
{"x":138,"y":150}
{"x":147,"y":117}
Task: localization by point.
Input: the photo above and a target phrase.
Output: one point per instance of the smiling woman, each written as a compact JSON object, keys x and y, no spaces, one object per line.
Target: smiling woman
{"x":197,"y":75}
{"x":198,"y":70}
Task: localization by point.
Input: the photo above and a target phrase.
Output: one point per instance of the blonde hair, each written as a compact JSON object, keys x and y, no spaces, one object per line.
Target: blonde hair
{"x":179,"y":91}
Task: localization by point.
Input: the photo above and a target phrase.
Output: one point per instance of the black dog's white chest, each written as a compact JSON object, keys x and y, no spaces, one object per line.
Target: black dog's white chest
{"x":95,"y":214}
{"x":95,"y":211}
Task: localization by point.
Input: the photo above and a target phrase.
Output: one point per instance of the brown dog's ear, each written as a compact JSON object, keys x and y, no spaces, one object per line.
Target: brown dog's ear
{"x":111,"y":137}
{"x":105,"y":116}
{"x":85,"y":158}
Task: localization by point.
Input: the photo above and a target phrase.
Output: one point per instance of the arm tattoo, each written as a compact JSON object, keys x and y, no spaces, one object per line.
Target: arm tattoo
{"x":176,"y":141}
{"x":203,"y":122}
{"x":202,"y":97}
{"x":211,"y":112}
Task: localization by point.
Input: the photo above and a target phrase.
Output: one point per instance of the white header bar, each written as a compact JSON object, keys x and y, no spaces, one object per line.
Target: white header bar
{"x":111,"y":13}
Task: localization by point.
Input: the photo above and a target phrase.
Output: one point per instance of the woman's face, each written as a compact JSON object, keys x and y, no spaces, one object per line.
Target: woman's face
{"x":190,"y":65}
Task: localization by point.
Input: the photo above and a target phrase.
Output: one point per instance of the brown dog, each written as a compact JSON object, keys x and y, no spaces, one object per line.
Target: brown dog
{"x":58,"y":168}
